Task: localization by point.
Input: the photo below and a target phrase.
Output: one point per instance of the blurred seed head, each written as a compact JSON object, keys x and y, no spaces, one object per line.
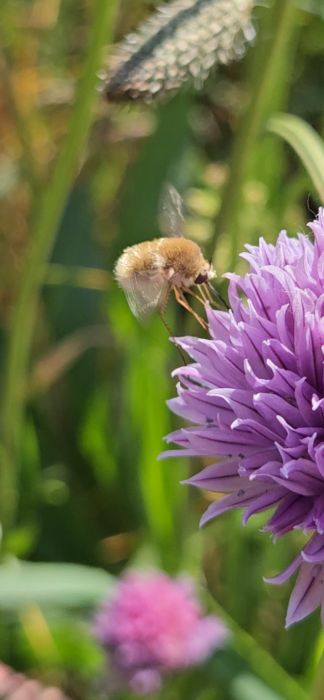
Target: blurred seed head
{"x":180,"y":43}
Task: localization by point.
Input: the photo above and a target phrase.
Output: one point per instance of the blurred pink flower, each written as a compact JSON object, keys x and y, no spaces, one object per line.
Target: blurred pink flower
{"x":16,"y":686}
{"x":154,"y":625}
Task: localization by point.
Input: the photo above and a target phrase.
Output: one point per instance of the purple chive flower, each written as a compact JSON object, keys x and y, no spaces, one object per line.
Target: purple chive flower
{"x":255,"y":395}
{"x":154,"y":625}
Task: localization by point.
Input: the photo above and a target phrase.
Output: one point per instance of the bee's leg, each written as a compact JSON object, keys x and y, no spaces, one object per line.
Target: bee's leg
{"x":206,"y":292}
{"x":203,"y":294}
{"x":183,"y":302}
{"x":201,"y":298}
{"x":165,"y":323}
{"x":162,"y":308}
{"x":170,"y":334}
{"x":216,"y":295}
{"x":164,"y":299}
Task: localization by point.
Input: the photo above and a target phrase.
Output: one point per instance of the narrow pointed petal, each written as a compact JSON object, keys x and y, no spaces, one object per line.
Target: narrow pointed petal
{"x":307,"y":594}
{"x":286,"y":574}
{"x":221,"y":478}
{"x":239,"y":499}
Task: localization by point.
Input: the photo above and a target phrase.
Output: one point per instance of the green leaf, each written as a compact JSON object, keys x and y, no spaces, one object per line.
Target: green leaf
{"x":306,"y":143}
{"x":62,"y":585}
{"x":248,"y":687}
{"x":314,"y":6}
{"x":269,"y":85}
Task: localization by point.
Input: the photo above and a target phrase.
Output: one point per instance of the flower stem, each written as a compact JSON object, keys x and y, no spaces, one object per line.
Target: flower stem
{"x":77,"y":276}
{"x":49,"y":213}
{"x":317,"y":693}
{"x":271,"y":59}
{"x":318,"y":669}
{"x":260,"y":661}
{"x":27,"y":156}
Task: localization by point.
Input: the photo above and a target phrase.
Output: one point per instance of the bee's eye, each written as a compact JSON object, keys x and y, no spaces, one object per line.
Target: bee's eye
{"x":201,"y":279}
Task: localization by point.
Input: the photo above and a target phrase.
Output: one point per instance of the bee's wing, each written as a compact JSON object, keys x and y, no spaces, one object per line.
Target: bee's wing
{"x":145,"y":292}
{"x":171,"y":211}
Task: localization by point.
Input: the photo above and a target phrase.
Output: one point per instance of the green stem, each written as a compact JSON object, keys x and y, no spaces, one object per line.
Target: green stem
{"x":315,"y":670}
{"x":47,"y":220}
{"x":77,"y":276}
{"x":269,"y":63}
{"x":27,"y":157}
{"x":318,"y":689}
{"x":260,"y":661}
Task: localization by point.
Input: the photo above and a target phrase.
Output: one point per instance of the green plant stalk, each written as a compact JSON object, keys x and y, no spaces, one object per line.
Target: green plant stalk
{"x":77,"y":276}
{"x":49,"y":213}
{"x":260,"y":661}
{"x":267,"y":66}
{"x":317,"y":693}
{"x":315,"y":670}
{"x":27,"y":157}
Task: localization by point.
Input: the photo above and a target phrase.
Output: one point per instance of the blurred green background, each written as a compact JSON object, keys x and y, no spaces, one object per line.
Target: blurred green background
{"x":83,"y":384}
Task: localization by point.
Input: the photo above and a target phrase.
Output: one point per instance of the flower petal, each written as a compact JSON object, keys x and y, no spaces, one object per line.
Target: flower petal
{"x":307,"y":594}
{"x":286,"y":574}
{"x":241,"y":498}
{"x":221,"y":478}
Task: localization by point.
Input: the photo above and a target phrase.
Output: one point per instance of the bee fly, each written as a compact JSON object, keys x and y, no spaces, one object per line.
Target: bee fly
{"x":149,"y":271}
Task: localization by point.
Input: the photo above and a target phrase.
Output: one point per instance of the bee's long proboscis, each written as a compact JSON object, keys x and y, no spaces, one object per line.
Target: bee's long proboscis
{"x":217,"y":295}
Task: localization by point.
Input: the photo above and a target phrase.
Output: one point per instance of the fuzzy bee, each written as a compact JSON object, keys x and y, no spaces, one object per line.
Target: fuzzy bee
{"x":150,"y":271}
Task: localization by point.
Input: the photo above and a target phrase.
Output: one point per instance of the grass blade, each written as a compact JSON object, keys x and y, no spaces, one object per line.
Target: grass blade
{"x":272,"y":58}
{"x":49,"y":212}
{"x":59,"y":584}
{"x":306,"y":143}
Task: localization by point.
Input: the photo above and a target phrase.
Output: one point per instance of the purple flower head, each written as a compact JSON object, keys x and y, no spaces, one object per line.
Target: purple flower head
{"x":255,"y":393}
{"x":154,"y":625}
